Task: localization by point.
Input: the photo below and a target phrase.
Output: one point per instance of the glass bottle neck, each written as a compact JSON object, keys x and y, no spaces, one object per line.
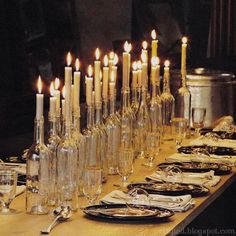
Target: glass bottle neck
{"x":52,"y":125}
{"x":166,"y":85}
{"x":125,"y":99}
{"x":98,"y":114}
{"x":90,"y":116}
{"x":184,"y":81}
{"x":134,"y":96}
{"x":105,"y":109}
{"x":112,"y":106}
{"x":154,"y":90}
{"x":76,"y":122}
{"x":144,"y":96}
{"x":39,"y":131}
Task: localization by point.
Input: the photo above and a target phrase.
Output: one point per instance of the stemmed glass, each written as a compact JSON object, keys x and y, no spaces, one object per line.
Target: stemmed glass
{"x":198,"y":118}
{"x":8,"y":181}
{"x":125,"y":164}
{"x":92,"y":185}
{"x":179,"y":128}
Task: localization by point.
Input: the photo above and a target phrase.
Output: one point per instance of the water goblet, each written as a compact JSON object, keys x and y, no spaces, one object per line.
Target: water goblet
{"x":125,"y":164}
{"x":92,"y":184}
{"x":8,"y":180}
{"x":198,"y":118}
{"x":179,"y":129}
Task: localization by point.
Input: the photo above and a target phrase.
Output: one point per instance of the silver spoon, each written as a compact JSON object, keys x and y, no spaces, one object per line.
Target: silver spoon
{"x":64,"y":215}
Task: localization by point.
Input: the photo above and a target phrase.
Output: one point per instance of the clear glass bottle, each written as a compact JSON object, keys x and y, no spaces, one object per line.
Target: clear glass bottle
{"x":37,"y":172}
{"x":113,"y":132}
{"x":67,"y":169}
{"x":142,"y":125}
{"x":99,"y":125}
{"x":58,"y":122}
{"x":80,"y":143}
{"x":135,"y":101}
{"x":105,"y":109}
{"x":167,"y":104}
{"x":183,"y":103}
{"x":52,"y":143}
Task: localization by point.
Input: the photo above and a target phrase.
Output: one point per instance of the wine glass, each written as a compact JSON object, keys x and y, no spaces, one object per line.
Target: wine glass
{"x":153,"y":147}
{"x":8,"y":180}
{"x":198,"y":118}
{"x":179,"y":129}
{"x":92,"y":185}
{"x":125,"y":164}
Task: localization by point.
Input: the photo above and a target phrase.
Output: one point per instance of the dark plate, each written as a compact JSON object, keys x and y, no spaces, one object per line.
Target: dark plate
{"x":172,"y":189}
{"x":200,"y":167}
{"x":105,"y":212}
{"x":210,"y":149}
{"x":222,"y":134}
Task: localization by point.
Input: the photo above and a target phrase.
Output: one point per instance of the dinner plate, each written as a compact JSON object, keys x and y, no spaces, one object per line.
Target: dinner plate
{"x":222,"y":134}
{"x":122,"y":213}
{"x":199,"y":167}
{"x":155,"y":187}
{"x":210,"y":149}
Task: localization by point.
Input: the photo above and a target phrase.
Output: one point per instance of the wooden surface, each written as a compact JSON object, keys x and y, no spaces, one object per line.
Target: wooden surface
{"x":22,"y":224}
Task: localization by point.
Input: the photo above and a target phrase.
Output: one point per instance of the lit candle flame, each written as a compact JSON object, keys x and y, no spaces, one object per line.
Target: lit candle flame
{"x":40,"y":84}
{"x":139,"y":65}
{"x":116,"y":59}
{"x":97,"y":54}
{"x":90,"y":71}
{"x":144,"y":57}
{"x":105,"y":60}
{"x":68,"y":59}
{"x":57,"y":83}
{"x":144,"y":44}
{"x":153,"y":34}
{"x":77,"y":64}
{"x":127,"y":47}
{"x":112,"y":79}
{"x":64,"y":92}
{"x":52,"y":89}
{"x":184,"y":40}
{"x":111,"y":55}
{"x":167,"y":63}
{"x":134,"y":65}
{"x":155,"y":61}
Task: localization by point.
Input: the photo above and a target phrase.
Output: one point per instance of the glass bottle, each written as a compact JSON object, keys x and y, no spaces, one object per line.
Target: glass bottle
{"x":135,"y":102}
{"x":67,"y":171}
{"x":105,"y":109}
{"x":80,"y":143}
{"x":167,"y":104}
{"x":142,"y":125}
{"x":183,"y":103}
{"x":52,"y":143}
{"x":37,"y":172}
{"x":99,"y":125}
{"x":113,"y":132}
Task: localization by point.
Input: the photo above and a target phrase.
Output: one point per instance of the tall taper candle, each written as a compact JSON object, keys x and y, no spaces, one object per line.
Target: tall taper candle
{"x":144,"y":50}
{"x":183,"y":56}
{"x":52,"y":101}
{"x":57,"y":94}
{"x":77,"y":87}
{"x":154,"y":43}
{"x":126,"y":65}
{"x":139,"y":66}
{"x":114,"y":67}
{"x":134,"y":75}
{"x":89,"y":86}
{"x":39,"y":100}
{"x":144,"y":70}
{"x":105,"y":78}
{"x":68,"y":82}
{"x":97,"y":65}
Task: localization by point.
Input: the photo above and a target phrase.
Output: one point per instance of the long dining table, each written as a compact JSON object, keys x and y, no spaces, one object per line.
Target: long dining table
{"x":23,"y":224}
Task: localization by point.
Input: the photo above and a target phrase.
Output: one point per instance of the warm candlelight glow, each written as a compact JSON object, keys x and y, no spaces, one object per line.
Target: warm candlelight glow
{"x":134,"y":65}
{"x":64,"y":92}
{"x":68,"y":59}
{"x":105,"y":60}
{"x":127,"y":47}
{"x":139,"y":65}
{"x":144,"y":57}
{"x":112,"y":79}
{"x":52,"y":89}
{"x":184,"y":40}
{"x":57,"y":83}
{"x":97,"y":54}
{"x":90,"y":71}
{"x":40,"y":85}
{"x":167,"y":63}
{"x":155,"y":61}
{"x":111,"y":55}
{"x":116,"y":59}
{"x":77,"y":64}
{"x":144,"y":44}
{"x":153,"y":34}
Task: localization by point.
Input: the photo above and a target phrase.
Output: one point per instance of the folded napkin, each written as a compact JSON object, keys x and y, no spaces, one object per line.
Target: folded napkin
{"x":210,"y":142}
{"x":181,"y":157}
{"x":207,"y":179}
{"x":178,"y":203}
{"x":20,"y":189}
{"x":225,"y":123}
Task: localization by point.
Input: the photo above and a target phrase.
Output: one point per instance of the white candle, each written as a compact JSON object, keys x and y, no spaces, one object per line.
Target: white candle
{"x":112,"y":86}
{"x":97,"y":65}
{"x":110,"y":62}
{"x":154,"y":43}
{"x":167,"y":70}
{"x":105,"y":78}
{"x":89,"y":86}
{"x":39,"y":100}
{"x":126,"y":65}
{"x":144,"y":70}
{"x":52,"y":102}
{"x":114,"y":67}
{"x":68,"y":81}
{"x":77,"y":75}
{"x":134,"y":75}
{"x":63,"y":105}
{"x":72,"y":98}
{"x":183,"y":57}
{"x":155,"y":70}
{"x":139,"y":71}
{"x":57,"y":94}
{"x":144,"y":50}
